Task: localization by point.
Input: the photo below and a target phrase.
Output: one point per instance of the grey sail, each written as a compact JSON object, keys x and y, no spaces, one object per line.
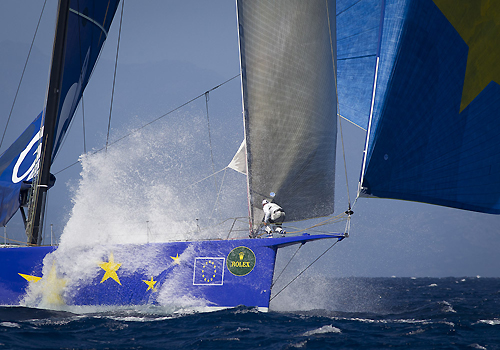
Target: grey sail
{"x":287,"y":56}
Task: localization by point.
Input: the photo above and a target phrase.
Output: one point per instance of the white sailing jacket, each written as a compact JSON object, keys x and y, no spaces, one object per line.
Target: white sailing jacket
{"x":269,"y":210}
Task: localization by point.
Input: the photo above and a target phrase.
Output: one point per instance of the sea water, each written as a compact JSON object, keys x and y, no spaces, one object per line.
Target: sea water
{"x":358,"y":313}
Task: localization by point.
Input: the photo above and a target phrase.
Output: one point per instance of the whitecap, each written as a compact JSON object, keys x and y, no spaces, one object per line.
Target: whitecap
{"x":325,"y":329}
{"x":367,"y":320}
{"x":299,"y":345}
{"x":494,"y":322}
{"x":253,"y":310}
{"x":433,"y":285}
{"x":10,"y":325}
{"x":417,"y":331}
{"x":447,"y":306}
{"x":138,"y":318}
{"x":227,"y":339}
{"x":477,"y":346}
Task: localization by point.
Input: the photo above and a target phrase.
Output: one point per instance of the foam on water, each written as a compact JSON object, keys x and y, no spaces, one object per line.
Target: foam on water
{"x":494,"y":322}
{"x":323,"y":330}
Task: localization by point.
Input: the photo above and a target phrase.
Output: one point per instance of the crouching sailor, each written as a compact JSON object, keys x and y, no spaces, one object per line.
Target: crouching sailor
{"x":274,"y":216}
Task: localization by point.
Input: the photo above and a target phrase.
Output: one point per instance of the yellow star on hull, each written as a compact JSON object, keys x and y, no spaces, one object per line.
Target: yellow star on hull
{"x":151,"y":284}
{"x":110,"y":267}
{"x":30,"y":278}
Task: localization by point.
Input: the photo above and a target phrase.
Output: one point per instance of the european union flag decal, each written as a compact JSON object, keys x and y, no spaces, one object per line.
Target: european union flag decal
{"x":208,"y":271}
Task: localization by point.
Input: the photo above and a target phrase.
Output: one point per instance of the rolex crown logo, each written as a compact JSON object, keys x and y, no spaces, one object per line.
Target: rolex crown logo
{"x":240,"y":261}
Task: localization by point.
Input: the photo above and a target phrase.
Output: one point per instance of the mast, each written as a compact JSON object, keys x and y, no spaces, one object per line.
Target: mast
{"x":41,"y":182}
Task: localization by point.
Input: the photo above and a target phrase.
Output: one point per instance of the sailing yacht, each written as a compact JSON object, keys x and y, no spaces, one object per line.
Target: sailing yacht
{"x":211,"y":273}
{"x":427,"y":103}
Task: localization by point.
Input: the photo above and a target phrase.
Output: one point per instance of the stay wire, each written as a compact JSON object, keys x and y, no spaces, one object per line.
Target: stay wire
{"x":81,"y":79}
{"x":151,"y":122}
{"x":338,"y":105}
{"x":114,"y":76}
{"x":22,"y":75}
{"x":282,"y":289}
{"x":207,"y":97}
{"x":288,"y":263}
{"x":218,"y":193}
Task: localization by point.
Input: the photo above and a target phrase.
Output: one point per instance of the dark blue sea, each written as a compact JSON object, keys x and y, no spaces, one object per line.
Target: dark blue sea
{"x":359,"y":313}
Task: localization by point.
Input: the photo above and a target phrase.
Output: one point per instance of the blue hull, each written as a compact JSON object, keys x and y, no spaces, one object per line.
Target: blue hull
{"x":213,"y":274}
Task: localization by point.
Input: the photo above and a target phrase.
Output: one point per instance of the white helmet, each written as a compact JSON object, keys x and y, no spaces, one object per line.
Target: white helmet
{"x":264,"y":202}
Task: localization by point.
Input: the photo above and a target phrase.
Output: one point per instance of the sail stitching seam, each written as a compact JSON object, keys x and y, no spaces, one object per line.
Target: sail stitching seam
{"x":91,"y":20}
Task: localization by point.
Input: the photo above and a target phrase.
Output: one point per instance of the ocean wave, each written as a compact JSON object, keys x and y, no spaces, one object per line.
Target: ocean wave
{"x":447,"y":306}
{"x":417,"y":331}
{"x":139,"y":318}
{"x":10,"y":324}
{"x":385,"y":321}
{"x":299,"y":345}
{"x":322,"y":330}
{"x":494,"y":322}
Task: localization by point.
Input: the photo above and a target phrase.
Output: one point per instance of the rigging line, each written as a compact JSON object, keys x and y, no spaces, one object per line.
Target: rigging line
{"x":23,"y":243}
{"x":288,"y":263}
{"x":83,"y":120}
{"x":197,"y":182}
{"x":326,"y":221}
{"x":207,"y":97}
{"x":353,"y":123}
{"x":45,"y":214}
{"x":81,"y":71}
{"x":170,"y":112}
{"x":275,"y":295}
{"x":218,"y":193}
{"x":338,"y":105}
{"x":114,"y":76}
{"x":347,"y":226}
{"x":372,"y":102}
{"x":153,"y":121}
{"x":22,"y":75}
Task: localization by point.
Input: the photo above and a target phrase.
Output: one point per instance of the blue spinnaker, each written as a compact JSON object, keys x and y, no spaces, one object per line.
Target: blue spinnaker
{"x":434,"y":133}
{"x":358,"y":25}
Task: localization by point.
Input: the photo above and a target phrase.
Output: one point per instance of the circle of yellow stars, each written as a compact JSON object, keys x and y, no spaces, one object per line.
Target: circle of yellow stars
{"x":210,"y":275}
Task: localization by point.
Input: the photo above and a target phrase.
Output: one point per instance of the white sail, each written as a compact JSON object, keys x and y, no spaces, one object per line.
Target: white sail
{"x":287,"y":55}
{"x":239,"y":161}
